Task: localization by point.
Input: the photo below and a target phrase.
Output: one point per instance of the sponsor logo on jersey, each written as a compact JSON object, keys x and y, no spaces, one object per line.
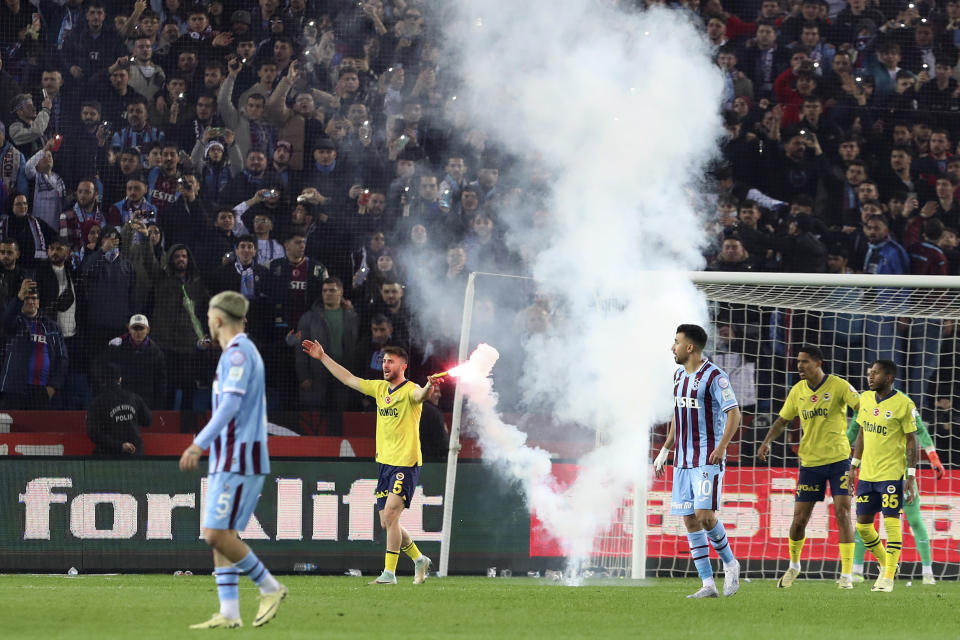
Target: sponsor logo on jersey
{"x":806,"y":414}
{"x":688,"y":403}
{"x":808,"y":487}
{"x":727,"y":394}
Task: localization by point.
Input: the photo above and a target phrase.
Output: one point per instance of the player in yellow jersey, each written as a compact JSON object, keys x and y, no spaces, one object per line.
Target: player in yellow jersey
{"x":888,"y":429}
{"x":399,"y":404}
{"x":821,"y":401}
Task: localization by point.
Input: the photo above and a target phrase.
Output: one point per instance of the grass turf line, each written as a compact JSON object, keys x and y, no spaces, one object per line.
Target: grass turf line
{"x":162,"y":606}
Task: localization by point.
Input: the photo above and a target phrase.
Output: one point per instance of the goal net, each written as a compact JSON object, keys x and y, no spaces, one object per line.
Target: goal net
{"x":757,"y":324}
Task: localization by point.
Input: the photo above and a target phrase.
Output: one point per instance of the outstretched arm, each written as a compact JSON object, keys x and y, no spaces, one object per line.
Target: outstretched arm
{"x":313,"y":349}
{"x":422,"y":393}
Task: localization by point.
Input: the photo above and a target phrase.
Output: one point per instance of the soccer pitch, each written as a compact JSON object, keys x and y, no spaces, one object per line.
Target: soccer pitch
{"x":162,"y":606}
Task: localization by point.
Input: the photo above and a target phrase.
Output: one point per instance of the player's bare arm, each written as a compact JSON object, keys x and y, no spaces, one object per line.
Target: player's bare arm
{"x":910,"y":485}
{"x":313,"y":349}
{"x":729,"y":430}
{"x":778,"y":427}
{"x":857,"y":455}
{"x":421,"y":394}
{"x":661,"y":460}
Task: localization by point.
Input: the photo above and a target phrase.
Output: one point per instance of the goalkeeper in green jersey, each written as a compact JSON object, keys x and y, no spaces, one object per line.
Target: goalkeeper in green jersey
{"x":912,"y":510}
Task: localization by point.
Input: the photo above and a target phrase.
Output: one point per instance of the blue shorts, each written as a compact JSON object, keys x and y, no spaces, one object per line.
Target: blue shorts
{"x":231,"y":499}
{"x":401,"y":481}
{"x":886,"y":496}
{"x":696,"y":488}
{"x":812,"y":481}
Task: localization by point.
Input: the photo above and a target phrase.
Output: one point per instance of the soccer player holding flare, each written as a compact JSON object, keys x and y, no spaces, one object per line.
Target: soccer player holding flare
{"x":887,"y":447}
{"x":239,"y":462}
{"x":399,"y":405}
{"x":705,"y":418}
{"x":911,"y":510}
{"x":821,"y":401}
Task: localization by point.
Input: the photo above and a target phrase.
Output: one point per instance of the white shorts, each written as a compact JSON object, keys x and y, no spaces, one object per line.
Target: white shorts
{"x":696,"y":488}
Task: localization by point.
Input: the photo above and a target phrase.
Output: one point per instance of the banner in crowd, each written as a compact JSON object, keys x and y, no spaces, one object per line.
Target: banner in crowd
{"x":756,"y":509}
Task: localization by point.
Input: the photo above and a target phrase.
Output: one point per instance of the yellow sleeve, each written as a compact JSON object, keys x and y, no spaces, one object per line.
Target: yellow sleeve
{"x":909,"y":419}
{"x":850,"y":395}
{"x":371,"y":387}
{"x":789,"y":409}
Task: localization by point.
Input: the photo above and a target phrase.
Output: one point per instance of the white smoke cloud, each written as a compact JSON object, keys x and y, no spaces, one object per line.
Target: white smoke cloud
{"x":623,"y":110}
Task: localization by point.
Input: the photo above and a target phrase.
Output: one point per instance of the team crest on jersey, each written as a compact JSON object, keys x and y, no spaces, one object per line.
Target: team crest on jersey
{"x":237,"y":358}
{"x":888,"y":415}
{"x":876,"y":411}
{"x":386,"y":400}
{"x":723,"y":383}
{"x":400,"y":476}
{"x":814,"y":398}
{"x":826,"y":396}
{"x":705,"y":475}
{"x":696,"y":384}
{"x":891,"y":488}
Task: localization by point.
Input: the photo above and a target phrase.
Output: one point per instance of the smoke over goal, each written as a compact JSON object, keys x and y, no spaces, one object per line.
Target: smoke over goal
{"x":614,"y":115}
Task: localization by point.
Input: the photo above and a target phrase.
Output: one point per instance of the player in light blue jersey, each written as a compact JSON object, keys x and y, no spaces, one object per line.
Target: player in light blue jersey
{"x":237,"y":438}
{"x":706,"y":416}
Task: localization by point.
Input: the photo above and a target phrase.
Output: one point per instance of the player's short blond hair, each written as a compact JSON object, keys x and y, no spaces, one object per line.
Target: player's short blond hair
{"x":232,"y":304}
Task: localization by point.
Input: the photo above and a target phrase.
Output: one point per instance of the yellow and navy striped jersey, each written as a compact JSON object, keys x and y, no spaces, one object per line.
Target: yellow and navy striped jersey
{"x":885,"y":423}
{"x":823,"y":419}
{"x":398,"y":422}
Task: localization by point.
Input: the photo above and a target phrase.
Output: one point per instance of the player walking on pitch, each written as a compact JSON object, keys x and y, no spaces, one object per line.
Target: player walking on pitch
{"x":239,"y":461}
{"x":911,"y":510}
{"x":399,"y":405}
{"x":821,"y":401}
{"x":705,"y":418}
{"x":887,"y":445}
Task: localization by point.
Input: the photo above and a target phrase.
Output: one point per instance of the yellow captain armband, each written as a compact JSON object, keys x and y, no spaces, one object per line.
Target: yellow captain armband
{"x":855,"y":462}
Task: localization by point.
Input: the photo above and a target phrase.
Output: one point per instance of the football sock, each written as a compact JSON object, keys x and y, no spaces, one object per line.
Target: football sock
{"x":411,"y":550}
{"x":255,"y":570}
{"x":228,"y":591}
{"x":718,"y":538}
{"x":920,"y":537}
{"x":390,"y":561}
{"x":894,"y":544}
{"x":796,"y":550}
{"x":871,"y":540}
{"x":700,"y":552}
{"x":859,"y":551}
{"x":846,"y":557}
{"x":858,"y":568}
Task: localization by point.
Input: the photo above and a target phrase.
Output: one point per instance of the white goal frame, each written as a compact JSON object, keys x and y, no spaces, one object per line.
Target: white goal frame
{"x":704,"y":280}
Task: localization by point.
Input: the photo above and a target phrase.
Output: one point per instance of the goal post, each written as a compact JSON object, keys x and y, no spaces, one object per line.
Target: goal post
{"x":757,"y":323}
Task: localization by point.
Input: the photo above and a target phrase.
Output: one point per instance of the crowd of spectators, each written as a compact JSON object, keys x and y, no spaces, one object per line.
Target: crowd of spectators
{"x":307,"y":154}
{"x":311,"y":155}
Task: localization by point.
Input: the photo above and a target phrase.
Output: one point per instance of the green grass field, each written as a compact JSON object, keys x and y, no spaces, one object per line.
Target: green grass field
{"x":161,"y":606}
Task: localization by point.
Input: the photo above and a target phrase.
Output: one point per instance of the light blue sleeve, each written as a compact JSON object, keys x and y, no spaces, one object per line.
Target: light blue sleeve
{"x":722,"y":392}
{"x":226,"y":411}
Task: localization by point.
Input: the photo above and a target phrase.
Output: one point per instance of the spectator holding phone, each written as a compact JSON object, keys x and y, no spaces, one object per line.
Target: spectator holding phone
{"x":36,"y":363}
